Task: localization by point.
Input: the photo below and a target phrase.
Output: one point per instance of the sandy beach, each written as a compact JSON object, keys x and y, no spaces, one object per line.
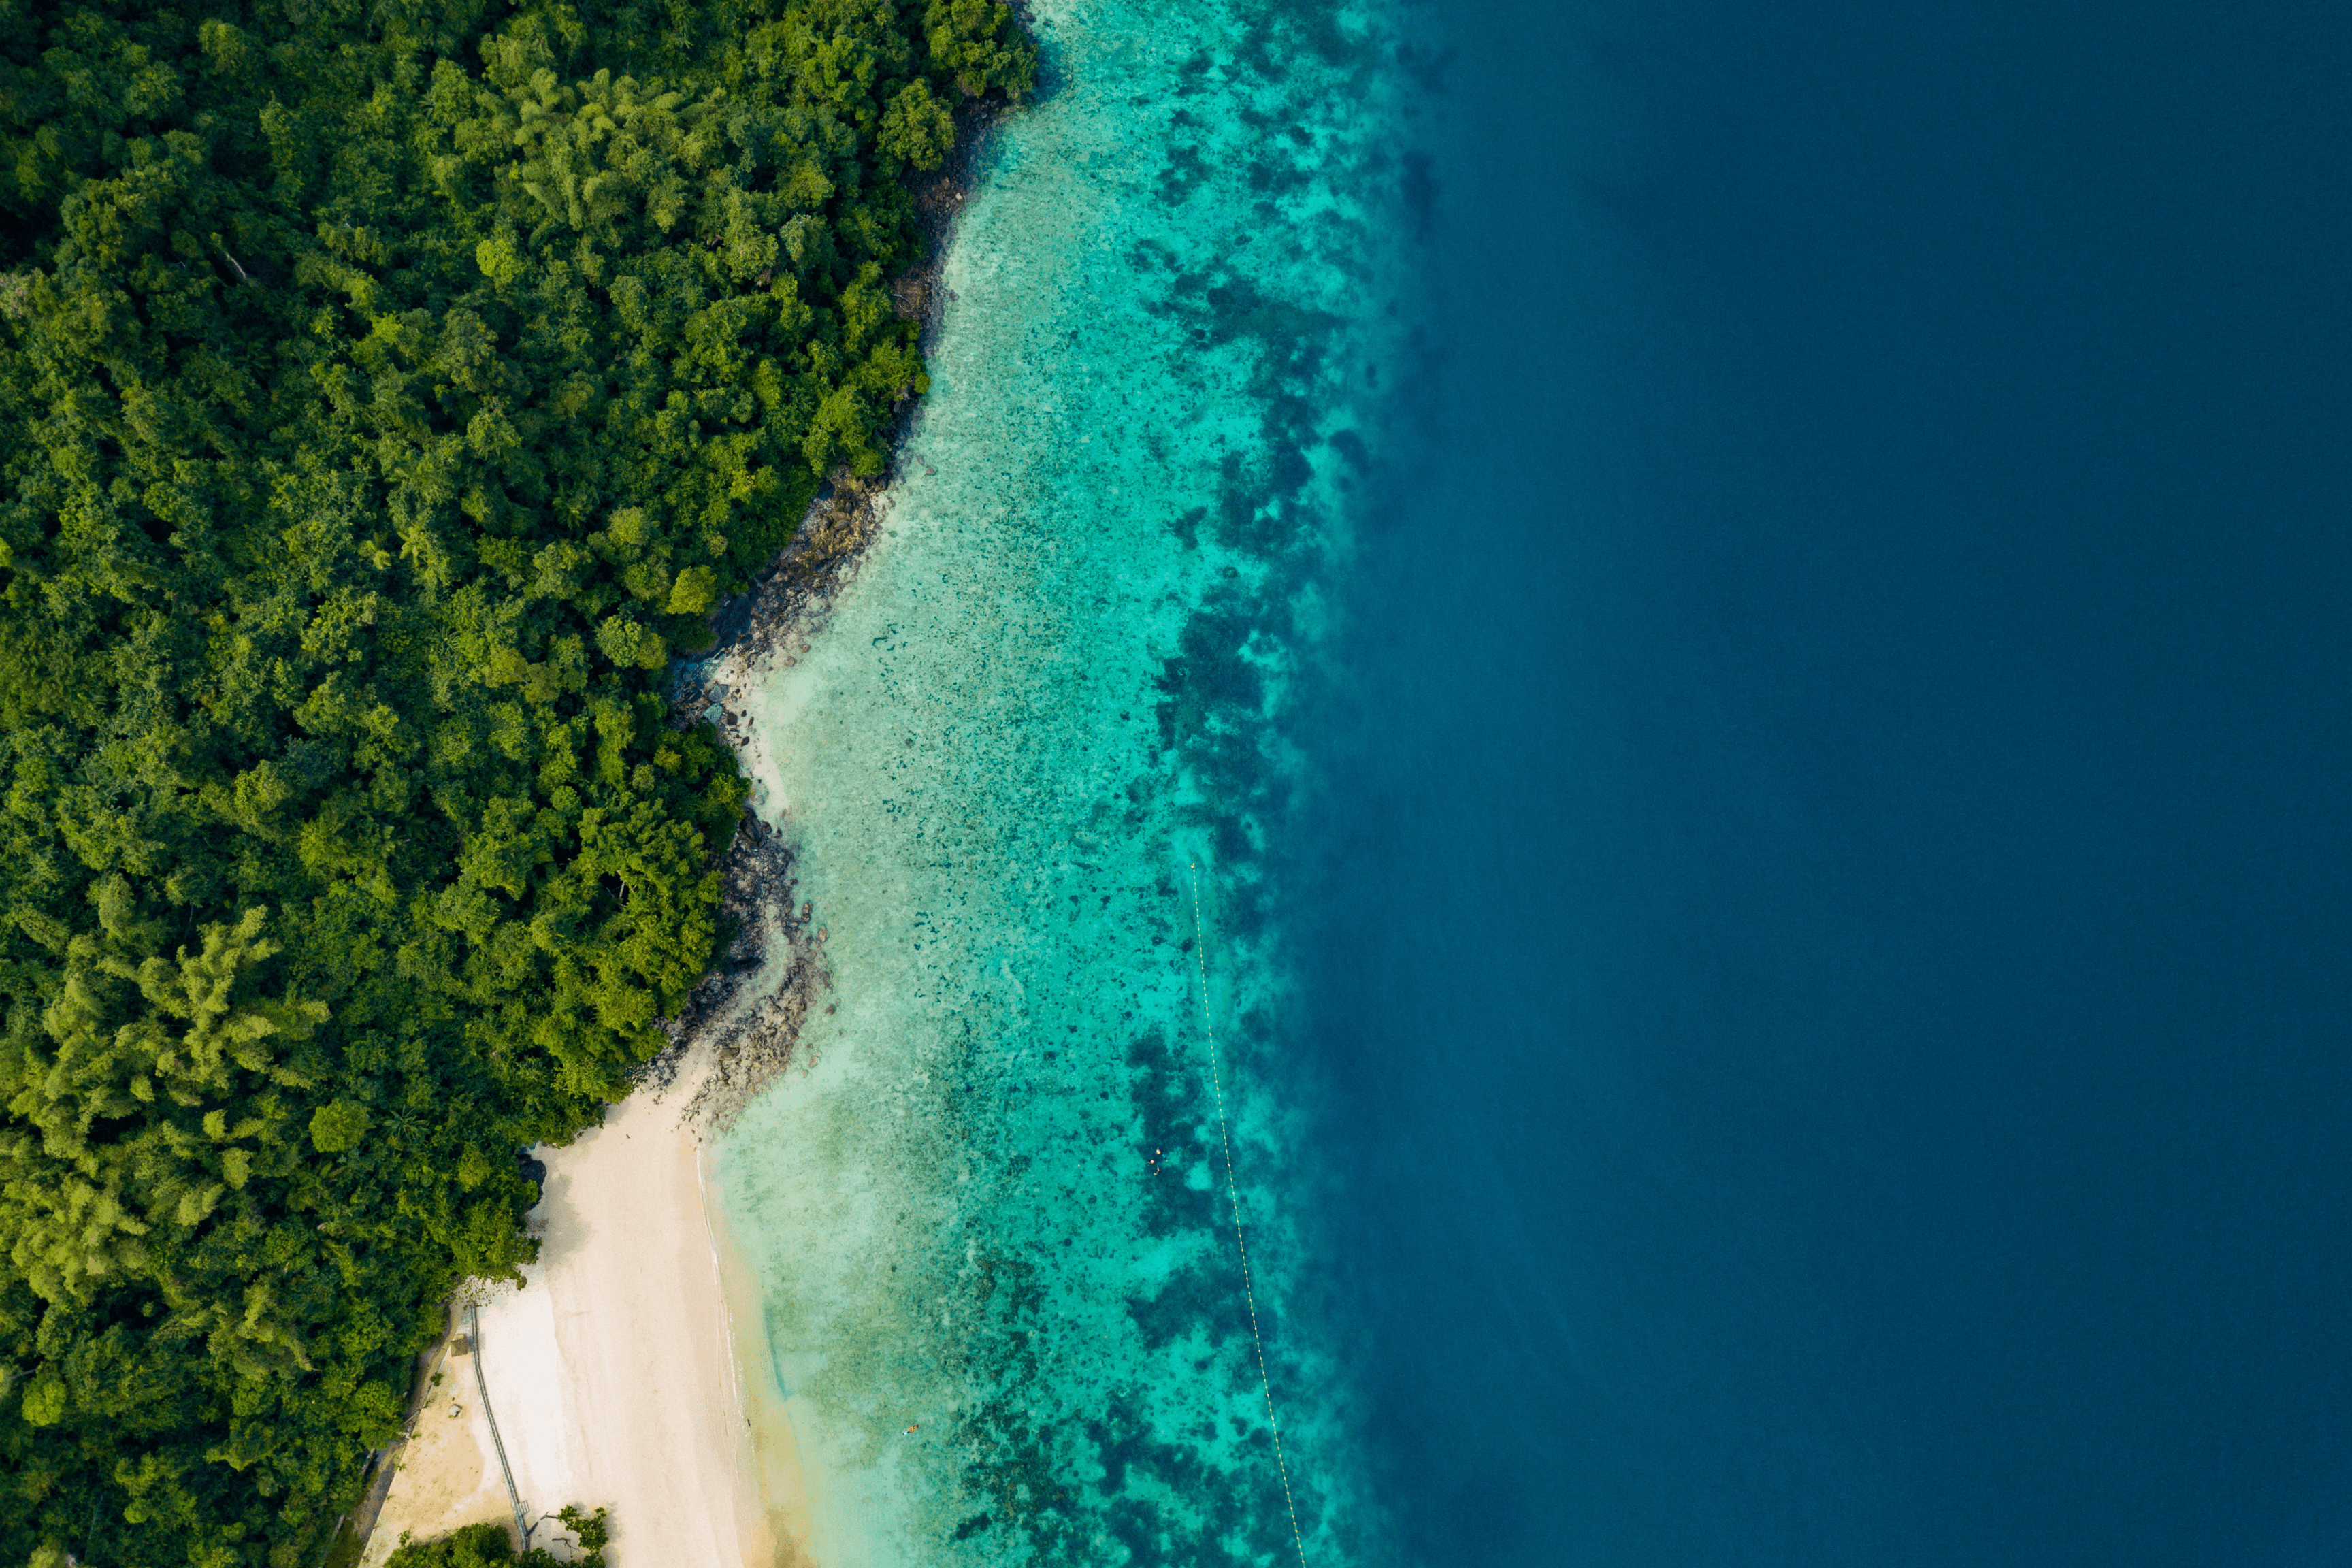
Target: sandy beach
{"x":612,"y":1373}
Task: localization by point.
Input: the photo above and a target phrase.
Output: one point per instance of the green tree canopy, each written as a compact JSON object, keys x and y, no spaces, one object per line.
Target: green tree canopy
{"x":384,"y":392}
{"x":489,"y":1546}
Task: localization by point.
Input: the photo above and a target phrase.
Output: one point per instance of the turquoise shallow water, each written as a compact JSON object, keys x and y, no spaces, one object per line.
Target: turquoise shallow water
{"x":1031,"y":764}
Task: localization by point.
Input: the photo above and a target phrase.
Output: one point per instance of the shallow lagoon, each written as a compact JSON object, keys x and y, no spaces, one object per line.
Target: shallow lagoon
{"x":1030,"y":765}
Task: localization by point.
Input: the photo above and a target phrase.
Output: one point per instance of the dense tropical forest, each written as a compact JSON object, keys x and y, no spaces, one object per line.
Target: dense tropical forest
{"x":387,"y":390}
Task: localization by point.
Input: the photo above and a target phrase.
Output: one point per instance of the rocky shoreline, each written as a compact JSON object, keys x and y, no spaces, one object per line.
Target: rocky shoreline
{"x":747,"y":1011}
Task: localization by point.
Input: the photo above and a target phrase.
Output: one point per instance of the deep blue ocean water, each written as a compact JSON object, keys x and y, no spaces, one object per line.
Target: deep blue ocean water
{"x":1660,"y":694}
{"x":1832,"y":952}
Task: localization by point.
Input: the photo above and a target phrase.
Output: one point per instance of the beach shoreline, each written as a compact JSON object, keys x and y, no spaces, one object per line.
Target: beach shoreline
{"x":612,"y":1372}
{"x":623,"y":1328}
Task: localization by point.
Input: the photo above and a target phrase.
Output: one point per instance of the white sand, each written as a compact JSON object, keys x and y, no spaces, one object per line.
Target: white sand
{"x":448,"y":1474}
{"x":612,"y":1372}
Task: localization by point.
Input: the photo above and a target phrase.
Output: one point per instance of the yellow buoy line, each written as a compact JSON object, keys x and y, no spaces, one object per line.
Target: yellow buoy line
{"x":1234,"y":1196}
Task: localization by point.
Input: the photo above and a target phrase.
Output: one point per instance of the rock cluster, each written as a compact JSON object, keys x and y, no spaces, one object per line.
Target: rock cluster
{"x":747,"y":1011}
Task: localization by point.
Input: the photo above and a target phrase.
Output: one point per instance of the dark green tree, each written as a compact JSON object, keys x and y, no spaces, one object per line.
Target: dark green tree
{"x":385,"y":393}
